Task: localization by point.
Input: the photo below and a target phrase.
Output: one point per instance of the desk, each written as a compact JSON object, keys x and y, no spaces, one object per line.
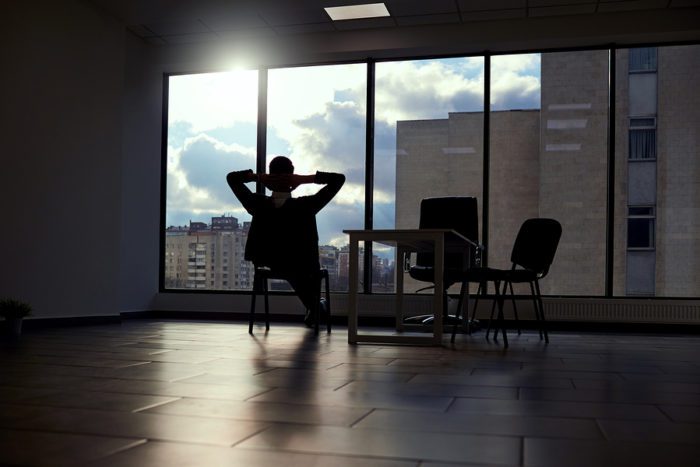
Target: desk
{"x":405,"y":240}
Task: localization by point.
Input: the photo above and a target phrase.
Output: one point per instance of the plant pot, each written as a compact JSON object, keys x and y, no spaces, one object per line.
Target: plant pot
{"x":13,"y":327}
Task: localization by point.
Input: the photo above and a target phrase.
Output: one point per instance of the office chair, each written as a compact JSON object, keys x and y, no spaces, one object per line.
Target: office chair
{"x":532,"y":255}
{"x":461,"y":215}
{"x":263,"y":274}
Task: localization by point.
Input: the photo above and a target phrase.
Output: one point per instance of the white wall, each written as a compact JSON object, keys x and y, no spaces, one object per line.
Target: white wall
{"x":60,"y":108}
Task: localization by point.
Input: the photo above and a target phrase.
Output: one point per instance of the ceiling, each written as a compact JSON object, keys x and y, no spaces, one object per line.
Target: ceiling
{"x":195,"y":21}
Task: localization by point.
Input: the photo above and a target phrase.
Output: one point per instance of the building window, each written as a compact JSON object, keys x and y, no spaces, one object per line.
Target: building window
{"x":642,"y":59}
{"x":641,"y":227}
{"x":642,"y":138}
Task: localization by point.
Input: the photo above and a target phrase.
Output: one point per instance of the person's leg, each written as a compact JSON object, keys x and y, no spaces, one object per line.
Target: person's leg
{"x":305,"y":285}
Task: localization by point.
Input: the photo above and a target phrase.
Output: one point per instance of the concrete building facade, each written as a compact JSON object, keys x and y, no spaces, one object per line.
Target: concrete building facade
{"x":553,"y":162}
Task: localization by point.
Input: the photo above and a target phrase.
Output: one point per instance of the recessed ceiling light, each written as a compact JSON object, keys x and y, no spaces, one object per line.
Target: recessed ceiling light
{"x":368,"y":10}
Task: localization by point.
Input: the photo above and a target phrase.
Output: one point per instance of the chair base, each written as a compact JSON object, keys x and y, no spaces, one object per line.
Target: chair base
{"x":471,"y":325}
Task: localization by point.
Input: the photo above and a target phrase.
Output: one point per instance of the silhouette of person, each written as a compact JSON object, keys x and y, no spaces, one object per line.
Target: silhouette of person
{"x":283,"y":235}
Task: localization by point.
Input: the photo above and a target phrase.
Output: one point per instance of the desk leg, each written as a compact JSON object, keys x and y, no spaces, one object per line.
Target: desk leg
{"x":352,"y":290}
{"x":398,"y":268}
{"x":439,"y":266}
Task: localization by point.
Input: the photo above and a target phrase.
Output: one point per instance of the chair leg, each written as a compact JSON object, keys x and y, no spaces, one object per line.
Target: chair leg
{"x":544,"y":323}
{"x":464,"y":289}
{"x":515,"y":308}
{"x":493,"y":311}
{"x":317,"y":314}
{"x":536,"y":307}
{"x":500,"y":299}
{"x":328,"y":302}
{"x":267,"y":304}
{"x":252,"y":304}
{"x":480,"y":290}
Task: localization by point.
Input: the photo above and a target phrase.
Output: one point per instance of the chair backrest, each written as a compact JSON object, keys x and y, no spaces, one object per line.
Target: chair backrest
{"x":459,"y":213}
{"x":536,"y":245}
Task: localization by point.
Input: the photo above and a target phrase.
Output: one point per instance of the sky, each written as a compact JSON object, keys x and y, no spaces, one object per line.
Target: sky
{"x":316,"y":116}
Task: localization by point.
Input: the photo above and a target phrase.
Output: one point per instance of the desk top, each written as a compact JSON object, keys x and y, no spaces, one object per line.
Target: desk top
{"x":410,"y":237}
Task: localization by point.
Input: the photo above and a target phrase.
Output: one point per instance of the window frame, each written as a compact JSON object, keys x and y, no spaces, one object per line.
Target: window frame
{"x":262,"y":122}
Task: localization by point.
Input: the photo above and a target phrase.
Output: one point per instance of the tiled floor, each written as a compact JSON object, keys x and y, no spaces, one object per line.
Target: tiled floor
{"x":175,"y":393}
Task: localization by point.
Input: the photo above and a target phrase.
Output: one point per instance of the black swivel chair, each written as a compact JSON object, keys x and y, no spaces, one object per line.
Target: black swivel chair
{"x":458,"y":213}
{"x":260,"y":279}
{"x":532,"y":256}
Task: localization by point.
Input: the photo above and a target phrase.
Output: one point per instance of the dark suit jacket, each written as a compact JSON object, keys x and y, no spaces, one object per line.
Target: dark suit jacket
{"x":284,"y":238}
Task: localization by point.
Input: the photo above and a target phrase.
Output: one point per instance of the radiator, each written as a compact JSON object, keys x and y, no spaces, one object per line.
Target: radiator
{"x":556,"y":309}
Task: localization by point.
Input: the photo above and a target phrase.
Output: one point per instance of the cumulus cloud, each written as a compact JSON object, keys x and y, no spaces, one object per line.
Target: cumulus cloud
{"x":196,"y":181}
{"x":515,"y":82}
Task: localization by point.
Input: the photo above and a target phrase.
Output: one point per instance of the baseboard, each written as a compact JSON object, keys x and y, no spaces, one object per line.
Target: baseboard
{"x":386,"y":321}
{"x":369,"y":321}
{"x":73,"y":321}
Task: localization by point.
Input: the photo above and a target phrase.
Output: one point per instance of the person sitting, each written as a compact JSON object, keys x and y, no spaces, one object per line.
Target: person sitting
{"x":283,"y":235}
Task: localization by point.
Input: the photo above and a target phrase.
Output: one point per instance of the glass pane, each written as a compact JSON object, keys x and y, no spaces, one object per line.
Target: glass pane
{"x":673,"y":265}
{"x":642,"y":59}
{"x":428,"y":143}
{"x":548,"y":159}
{"x":317,"y":118}
{"x":211,"y":131}
{"x":642,"y":144}
{"x":640,"y":233}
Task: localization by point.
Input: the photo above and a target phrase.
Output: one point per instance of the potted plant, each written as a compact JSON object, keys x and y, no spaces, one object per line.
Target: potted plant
{"x":14,"y":311}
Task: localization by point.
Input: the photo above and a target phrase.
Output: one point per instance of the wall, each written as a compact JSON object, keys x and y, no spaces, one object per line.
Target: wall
{"x":61,"y":90}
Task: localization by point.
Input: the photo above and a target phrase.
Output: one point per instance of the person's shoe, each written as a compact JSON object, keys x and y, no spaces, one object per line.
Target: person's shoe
{"x":309,"y":320}
{"x":323,"y":309}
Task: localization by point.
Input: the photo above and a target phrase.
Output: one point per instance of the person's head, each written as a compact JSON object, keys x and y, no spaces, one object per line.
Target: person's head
{"x":281,"y":165}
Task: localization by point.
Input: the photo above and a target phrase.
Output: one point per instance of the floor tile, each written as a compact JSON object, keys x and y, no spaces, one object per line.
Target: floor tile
{"x":651,"y":432}
{"x":18,"y":447}
{"x":263,"y":411}
{"x":559,"y":409}
{"x":158,"y":454}
{"x":575,"y":453}
{"x":100,"y":400}
{"x":380,"y":443}
{"x":173,"y":428}
{"x":491,"y":424}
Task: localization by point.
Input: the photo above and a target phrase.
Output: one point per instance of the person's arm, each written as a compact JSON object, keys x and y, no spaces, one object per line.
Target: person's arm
{"x":284,"y":182}
{"x":237,"y":181}
{"x":333,"y":181}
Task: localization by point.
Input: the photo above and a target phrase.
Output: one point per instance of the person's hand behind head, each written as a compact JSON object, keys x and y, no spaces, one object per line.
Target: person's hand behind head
{"x":278,"y":182}
{"x":284,"y":182}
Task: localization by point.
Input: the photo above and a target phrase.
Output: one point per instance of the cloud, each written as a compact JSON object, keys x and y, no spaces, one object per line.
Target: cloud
{"x":515,"y":82}
{"x":213,"y":100}
{"x":412,"y":90}
{"x":196,"y":180}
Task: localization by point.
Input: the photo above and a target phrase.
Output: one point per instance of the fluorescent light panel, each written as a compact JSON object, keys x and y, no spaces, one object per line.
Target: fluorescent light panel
{"x":368,"y":10}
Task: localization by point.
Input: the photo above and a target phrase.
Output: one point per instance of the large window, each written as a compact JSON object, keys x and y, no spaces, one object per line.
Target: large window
{"x":212,"y":126}
{"x":548,"y":155}
{"x":657,"y":221}
{"x":428,"y":142}
{"x":316,"y":116}
{"x":548,"y":159}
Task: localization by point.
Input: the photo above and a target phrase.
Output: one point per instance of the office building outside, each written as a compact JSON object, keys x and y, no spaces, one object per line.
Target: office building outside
{"x":553,"y":162}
